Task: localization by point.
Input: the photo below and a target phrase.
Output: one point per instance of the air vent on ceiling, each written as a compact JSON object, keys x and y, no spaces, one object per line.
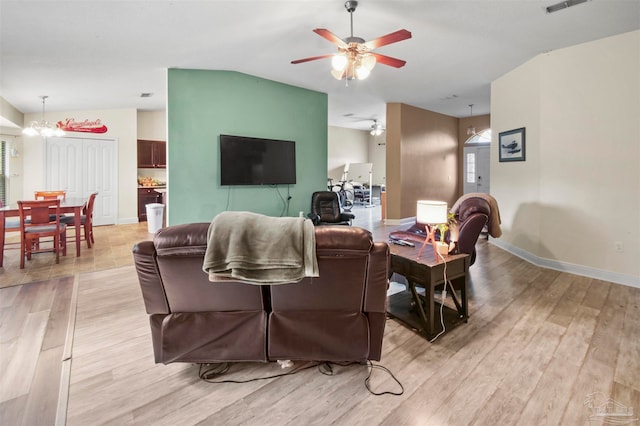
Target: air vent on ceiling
{"x":563,"y":5}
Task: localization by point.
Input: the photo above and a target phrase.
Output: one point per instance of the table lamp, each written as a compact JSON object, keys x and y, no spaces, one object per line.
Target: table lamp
{"x":431,"y":213}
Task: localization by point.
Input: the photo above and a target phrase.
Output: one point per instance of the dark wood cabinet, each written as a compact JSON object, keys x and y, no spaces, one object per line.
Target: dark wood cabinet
{"x":152,"y":154}
{"x":146,"y":196}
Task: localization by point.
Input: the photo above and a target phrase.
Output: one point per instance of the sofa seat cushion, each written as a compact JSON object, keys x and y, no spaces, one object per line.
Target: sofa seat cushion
{"x":205,"y":337}
{"x":318,"y":336}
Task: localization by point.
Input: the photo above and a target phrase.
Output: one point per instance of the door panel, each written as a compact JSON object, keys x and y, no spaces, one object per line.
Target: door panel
{"x":61,"y":172}
{"x":84,"y":166}
{"x":476,"y":169}
{"x":483,"y":161}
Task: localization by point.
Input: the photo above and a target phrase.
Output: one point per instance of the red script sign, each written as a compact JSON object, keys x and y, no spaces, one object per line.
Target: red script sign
{"x":86,"y":126}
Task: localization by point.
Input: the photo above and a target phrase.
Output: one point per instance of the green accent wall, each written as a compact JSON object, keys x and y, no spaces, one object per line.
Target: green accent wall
{"x":203,"y":104}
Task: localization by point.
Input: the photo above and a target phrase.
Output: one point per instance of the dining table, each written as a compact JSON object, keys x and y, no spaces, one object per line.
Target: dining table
{"x":68,"y":205}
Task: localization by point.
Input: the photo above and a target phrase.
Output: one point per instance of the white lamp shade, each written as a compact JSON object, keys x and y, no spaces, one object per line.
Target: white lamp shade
{"x":431,"y":212}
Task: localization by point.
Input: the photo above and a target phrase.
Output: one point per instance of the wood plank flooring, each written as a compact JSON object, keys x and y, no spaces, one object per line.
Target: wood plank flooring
{"x":538,"y":343}
{"x":33,"y":325}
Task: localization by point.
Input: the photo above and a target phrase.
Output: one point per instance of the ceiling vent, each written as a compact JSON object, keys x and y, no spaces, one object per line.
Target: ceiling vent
{"x":563,"y":5}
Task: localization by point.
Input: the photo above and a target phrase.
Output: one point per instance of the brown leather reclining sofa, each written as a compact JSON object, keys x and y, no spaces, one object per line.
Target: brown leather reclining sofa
{"x":339,"y":316}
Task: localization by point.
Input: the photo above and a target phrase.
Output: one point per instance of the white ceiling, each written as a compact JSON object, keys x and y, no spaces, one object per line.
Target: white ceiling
{"x":103,"y":54}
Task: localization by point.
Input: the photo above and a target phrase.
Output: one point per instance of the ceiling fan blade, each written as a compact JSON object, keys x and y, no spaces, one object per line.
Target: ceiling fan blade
{"x":312,"y":58}
{"x":388,"y":60}
{"x":388,"y":39}
{"x":322,"y":32}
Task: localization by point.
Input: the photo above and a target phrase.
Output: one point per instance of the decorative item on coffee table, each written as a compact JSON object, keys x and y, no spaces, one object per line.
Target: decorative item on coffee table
{"x":431,"y":213}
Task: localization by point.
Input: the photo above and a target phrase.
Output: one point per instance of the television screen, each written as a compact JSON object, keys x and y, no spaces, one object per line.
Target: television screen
{"x":254,"y":161}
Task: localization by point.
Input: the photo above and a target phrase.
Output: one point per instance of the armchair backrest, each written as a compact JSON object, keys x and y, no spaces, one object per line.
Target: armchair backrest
{"x":473,"y":215}
{"x":326,"y":205}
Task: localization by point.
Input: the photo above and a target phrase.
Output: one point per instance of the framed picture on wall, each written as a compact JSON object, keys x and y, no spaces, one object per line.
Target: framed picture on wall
{"x":512,"y":145}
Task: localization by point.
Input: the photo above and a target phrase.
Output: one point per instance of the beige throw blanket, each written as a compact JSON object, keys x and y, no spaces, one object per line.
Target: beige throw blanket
{"x":494,"y":216}
{"x":258,"y":249}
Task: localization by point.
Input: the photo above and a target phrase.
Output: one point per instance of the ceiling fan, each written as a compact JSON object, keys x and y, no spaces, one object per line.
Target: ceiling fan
{"x":376,"y":128}
{"x":355,"y":58}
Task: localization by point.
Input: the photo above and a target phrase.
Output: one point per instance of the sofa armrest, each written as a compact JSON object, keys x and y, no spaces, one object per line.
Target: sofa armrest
{"x":155,"y":300}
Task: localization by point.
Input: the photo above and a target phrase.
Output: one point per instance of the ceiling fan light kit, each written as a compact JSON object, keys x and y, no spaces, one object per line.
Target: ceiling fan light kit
{"x":355,"y":59}
{"x":376,"y":128}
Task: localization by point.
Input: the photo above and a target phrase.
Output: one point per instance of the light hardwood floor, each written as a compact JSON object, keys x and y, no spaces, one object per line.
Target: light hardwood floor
{"x":112,"y":249}
{"x":537,"y":344}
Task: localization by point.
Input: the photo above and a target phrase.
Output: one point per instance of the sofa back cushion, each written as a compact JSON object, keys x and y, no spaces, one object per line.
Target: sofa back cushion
{"x":323,"y":318}
{"x":180,"y":252}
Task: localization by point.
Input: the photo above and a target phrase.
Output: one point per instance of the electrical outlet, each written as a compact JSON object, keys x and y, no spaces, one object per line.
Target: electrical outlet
{"x":619,"y":246}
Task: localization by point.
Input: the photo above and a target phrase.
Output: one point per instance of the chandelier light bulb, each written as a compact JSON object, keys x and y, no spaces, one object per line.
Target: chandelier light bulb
{"x":42,"y":127}
{"x":368,"y":61}
{"x":362,"y":72}
{"x":30,"y":131}
{"x":339,"y":62}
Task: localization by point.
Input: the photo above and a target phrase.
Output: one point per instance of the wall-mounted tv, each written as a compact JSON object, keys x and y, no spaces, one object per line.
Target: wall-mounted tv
{"x":254,"y":161}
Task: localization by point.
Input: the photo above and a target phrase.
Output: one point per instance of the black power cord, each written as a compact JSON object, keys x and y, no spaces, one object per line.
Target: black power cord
{"x":209,"y":373}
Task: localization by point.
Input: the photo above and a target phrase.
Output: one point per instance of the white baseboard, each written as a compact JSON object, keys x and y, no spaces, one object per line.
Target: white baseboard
{"x":585,"y":271}
{"x":406,"y":221}
{"x":127,"y":220}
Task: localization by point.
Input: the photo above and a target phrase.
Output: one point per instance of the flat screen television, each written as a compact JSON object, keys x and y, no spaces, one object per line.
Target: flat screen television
{"x":255,"y":161}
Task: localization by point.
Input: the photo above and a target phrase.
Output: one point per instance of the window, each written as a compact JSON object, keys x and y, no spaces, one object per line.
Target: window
{"x":471,"y":167}
{"x":3,"y":172}
{"x":484,"y":137}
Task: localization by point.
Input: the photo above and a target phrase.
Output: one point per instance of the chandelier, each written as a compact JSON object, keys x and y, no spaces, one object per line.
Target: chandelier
{"x":42,"y":127}
{"x":471,"y":130}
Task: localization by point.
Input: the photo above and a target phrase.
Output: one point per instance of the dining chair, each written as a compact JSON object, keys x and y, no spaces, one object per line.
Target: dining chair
{"x":86,"y":220}
{"x":41,"y":226}
{"x":11,"y":224}
{"x":50,"y":195}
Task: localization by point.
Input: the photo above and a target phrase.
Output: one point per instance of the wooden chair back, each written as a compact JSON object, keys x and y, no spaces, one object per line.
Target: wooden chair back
{"x":86,"y":220}
{"x":40,"y":225}
{"x":50,"y":195}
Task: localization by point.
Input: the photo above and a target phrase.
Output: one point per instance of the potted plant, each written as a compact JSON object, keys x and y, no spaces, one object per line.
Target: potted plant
{"x":443,"y":244}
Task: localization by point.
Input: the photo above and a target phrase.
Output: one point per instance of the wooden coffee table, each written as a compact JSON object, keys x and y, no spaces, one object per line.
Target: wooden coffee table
{"x":419,"y":312}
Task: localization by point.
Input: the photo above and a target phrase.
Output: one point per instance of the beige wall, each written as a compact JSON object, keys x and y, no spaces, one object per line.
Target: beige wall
{"x":422,"y":159}
{"x":121,"y":125}
{"x":152,"y":125}
{"x":345,"y":146}
{"x":377,"y":155}
{"x":577,"y":193}
{"x":9,"y":113}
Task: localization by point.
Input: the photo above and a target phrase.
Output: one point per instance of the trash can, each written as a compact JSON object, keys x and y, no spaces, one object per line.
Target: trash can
{"x":155,"y":212}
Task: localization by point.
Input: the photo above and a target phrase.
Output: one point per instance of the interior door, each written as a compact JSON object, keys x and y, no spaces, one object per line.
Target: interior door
{"x":83,"y":166}
{"x":477,"y":160}
{"x":100,"y":159}
{"x":62,"y":157}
